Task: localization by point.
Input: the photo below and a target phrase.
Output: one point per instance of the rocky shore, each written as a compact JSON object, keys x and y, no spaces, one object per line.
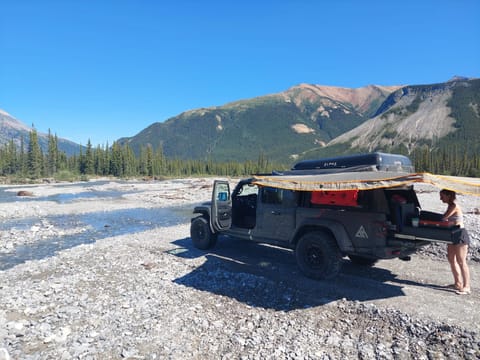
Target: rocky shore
{"x":148,"y":294}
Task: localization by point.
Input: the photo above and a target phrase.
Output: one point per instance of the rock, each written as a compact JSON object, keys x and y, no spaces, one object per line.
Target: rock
{"x":4,"y":354}
{"x":24,"y":193}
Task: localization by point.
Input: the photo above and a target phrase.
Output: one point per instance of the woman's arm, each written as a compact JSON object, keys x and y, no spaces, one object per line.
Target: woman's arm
{"x":451,"y":210}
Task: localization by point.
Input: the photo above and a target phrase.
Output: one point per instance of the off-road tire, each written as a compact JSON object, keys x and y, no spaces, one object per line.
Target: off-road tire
{"x":202,"y":236}
{"x":318,"y":256}
{"x":362,"y":261}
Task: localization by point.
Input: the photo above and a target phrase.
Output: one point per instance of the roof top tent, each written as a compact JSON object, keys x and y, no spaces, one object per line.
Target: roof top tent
{"x":358,"y":162}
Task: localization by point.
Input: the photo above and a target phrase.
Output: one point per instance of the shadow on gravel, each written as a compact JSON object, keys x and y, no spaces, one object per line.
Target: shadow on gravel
{"x":267,"y":276}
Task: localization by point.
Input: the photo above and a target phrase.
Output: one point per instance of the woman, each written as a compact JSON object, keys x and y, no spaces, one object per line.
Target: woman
{"x":457,"y":252}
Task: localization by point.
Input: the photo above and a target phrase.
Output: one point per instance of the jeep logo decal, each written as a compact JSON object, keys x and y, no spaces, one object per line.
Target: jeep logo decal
{"x":361,"y":233}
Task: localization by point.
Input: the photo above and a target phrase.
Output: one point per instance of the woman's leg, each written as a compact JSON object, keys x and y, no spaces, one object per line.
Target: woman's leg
{"x":452,"y":259}
{"x":461,"y":252}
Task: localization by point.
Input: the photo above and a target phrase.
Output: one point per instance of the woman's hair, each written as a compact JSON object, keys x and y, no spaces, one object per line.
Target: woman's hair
{"x":451,"y":194}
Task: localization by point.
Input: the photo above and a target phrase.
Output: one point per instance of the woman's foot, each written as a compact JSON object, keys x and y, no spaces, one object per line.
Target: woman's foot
{"x":464,"y":291}
{"x":454,"y":287}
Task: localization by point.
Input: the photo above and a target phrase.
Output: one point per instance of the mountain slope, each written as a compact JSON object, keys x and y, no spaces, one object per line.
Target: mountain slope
{"x":13,"y":129}
{"x":413,"y":116}
{"x":278,"y":126}
{"x":311,"y":121}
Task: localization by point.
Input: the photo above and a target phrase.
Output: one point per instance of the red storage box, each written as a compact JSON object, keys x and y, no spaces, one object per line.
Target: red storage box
{"x":339,"y":198}
{"x":433,"y":223}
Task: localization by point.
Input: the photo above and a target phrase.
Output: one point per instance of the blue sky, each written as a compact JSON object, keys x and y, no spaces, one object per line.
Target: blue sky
{"x":105,"y":69}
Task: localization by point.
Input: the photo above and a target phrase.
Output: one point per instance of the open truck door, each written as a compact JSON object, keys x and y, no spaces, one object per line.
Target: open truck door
{"x":221,"y":215}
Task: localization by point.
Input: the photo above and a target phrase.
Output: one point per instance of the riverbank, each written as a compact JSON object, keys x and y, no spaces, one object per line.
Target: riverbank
{"x":148,"y":294}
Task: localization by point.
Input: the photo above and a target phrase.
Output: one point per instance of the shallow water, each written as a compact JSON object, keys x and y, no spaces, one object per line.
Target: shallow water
{"x":89,"y":193}
{"x":92,"y":226}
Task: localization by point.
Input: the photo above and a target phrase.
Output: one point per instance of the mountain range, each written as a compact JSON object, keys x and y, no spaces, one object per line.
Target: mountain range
{"x":311,"y":121}
{"x":13,"y":129}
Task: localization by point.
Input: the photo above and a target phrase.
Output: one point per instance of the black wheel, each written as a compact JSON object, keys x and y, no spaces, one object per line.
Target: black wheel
{"x":318,"y":255}
{"x":202,"y":236}
{"x":362,"y":261}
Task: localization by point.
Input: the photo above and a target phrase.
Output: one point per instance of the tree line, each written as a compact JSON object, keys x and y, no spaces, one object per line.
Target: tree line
{"x":27,"y":160}
{"x":452,"y":159}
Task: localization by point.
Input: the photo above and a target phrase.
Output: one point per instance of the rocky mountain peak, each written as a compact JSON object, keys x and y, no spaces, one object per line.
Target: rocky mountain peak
{"x":360,"y":98}
{"x":458,"y":78}
{"x":13,"y":129}
{"x":417,"y":115}
{"x":9,"y":123}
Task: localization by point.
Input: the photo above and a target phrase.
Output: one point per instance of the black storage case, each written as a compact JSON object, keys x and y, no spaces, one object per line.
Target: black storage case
{"x":372,"y":161}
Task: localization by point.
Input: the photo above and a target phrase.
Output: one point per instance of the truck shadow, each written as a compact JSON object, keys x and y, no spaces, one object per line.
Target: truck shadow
{"x":267,"y":276}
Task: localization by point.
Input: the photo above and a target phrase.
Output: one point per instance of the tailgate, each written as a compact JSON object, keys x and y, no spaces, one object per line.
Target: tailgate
{"x":431,"y":234}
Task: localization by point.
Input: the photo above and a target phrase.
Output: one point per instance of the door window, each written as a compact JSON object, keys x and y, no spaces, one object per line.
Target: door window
{"x":276,"y":196}
{"x":222,"y":192}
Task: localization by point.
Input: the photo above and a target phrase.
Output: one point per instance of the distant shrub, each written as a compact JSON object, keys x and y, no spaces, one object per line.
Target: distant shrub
{"x":65,"y":175}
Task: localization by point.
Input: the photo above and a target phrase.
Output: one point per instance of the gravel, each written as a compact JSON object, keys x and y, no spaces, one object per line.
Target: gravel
{"x":149,"y":294}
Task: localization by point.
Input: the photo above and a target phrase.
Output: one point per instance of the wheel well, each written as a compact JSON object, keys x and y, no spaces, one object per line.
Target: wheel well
{"x":203,"y":213}
{"x":307,"y":229}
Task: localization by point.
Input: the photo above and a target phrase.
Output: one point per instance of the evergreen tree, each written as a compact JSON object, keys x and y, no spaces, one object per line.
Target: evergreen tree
{"x":80,"y":168}
{"x":35,"y":157}
{"x":129,"y":166}
{"x":99,"y":161}
{"x":149,"y":160}
{"x":89,"y":160}
{"x":9,"y":159}
{"x":158,"y":164}
{"x":142,"y":161}
{"x":116,"y":167}
{"x":23,"y":166}
{"x":52,"y":155}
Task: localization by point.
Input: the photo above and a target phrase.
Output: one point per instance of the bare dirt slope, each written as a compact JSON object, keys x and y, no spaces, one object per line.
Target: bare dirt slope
{"x":429,"y":122}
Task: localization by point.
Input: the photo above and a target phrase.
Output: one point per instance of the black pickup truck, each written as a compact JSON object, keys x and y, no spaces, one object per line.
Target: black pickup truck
{"x":323,"y":226}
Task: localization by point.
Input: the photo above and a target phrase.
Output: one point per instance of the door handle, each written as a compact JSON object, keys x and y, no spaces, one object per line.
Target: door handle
{"x":273,"y":212}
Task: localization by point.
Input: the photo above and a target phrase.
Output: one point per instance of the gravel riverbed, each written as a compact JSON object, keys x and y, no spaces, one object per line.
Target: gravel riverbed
{"x":147,"y":293}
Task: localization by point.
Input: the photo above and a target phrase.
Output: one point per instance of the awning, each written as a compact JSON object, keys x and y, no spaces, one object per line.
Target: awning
{"x":464,"y":185}
{"x":367,"y":180}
